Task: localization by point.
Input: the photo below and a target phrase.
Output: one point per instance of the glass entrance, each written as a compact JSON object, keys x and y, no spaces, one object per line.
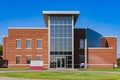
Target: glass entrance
{"x":61,"y":41}
{"x":60,"y":62}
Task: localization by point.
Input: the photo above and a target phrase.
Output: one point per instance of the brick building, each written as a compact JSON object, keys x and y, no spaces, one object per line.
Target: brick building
{"x":59,"y":45}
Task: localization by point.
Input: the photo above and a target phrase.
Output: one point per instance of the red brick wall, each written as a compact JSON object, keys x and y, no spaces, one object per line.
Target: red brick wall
{"x":78,"y":34}
{"x":10,"y":50}
{"x":100,"y":57}
{"x":104,"y":57}
{"x":111,"y":42}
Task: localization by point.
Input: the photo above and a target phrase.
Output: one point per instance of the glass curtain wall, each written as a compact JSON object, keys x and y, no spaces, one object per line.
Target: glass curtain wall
{"x":61,"y":41}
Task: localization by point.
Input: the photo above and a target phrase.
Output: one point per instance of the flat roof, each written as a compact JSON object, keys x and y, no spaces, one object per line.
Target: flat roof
{"x":60,"y":13}
{"x":109,"y":37}
{"x":27,"y":28}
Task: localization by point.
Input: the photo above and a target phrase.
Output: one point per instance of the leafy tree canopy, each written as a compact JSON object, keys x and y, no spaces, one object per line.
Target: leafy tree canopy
{"x":1,"y":49}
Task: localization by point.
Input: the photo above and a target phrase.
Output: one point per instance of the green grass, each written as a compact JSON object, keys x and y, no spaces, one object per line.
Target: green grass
{"x":81,"y":74}
{"x":102,"y":69}
{"x":11,"y":69}
{"x":63,"y":75}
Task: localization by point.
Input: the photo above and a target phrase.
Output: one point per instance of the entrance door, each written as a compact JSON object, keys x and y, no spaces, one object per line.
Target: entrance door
{"x":60,"y":62}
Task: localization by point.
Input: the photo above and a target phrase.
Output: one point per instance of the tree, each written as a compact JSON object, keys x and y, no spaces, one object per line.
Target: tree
{"x":118,"y":62}
{"x":1,"y":50}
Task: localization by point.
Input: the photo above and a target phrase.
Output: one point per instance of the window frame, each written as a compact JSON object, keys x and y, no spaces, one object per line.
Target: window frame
{"x":19,"y":46}
{"x":27,"y":59}
{"x":39,"y":56}
{"x":19,"y":62}
{"x":81,"y":45}
{"x":82,"y":58}
{"x":28,"y":44}
{"x":38,"y":44}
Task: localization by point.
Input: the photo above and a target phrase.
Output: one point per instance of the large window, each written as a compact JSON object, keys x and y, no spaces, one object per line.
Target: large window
{"x":17,"y":59}
{"x":39,"y":43}
{"x":28,"y":44}
{"x":61,"y":33}
{"x":61,"y":41}
{"x":82,"y":43}
{"x":18,"y":43}
{"x":28,"y":59}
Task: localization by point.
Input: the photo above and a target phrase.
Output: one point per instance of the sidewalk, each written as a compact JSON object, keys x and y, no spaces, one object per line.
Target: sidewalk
{"x":7,"y":78}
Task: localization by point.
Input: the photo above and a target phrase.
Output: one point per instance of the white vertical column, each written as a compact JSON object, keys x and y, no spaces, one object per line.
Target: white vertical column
{"x":85,"y":53}
{"x":72,"y":41}
{"x":48,"y":42}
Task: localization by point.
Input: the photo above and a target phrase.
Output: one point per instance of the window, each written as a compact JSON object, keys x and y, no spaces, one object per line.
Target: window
{"x":81,"y":43}
{"x":28,"y":44}
{"x":82,"y":58}
{"x":39,"y":43}
{"x":39,"y":57}
{"x":18,"y":44}
{"x":17,"y":59}
{"x":28,"y":59}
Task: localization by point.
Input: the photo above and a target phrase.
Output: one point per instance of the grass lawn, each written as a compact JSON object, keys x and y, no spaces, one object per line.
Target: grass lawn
{"x":102,"y":69}
{"x":63,"y":75}
{"x":12,"y":69}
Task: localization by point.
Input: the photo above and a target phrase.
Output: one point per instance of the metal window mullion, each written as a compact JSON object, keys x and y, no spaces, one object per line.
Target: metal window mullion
{"x":72,"y":42}
{"x":49,"y":42}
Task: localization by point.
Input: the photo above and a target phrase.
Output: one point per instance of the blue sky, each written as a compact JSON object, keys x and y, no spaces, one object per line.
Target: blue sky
{"x":102,"y":16}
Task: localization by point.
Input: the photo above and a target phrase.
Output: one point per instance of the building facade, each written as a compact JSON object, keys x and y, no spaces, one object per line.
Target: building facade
{"x":60,"y":44}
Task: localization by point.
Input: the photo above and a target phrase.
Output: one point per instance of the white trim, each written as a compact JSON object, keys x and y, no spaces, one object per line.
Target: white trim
{"x":49,"y":42}
{"x":18,"y":48}
{"x":28,"y":39}
{"x":100,"y":64}
{"x":28,"y":48}
{"x":25,"y":28}
{"x":38,"y":39}
{"x":86,"y":55}
{"x":17,"y":55}
{"x":61,"y":12}
{"x":102,"y":48}
{"x":40,"y":56}
{"x":28,"y":55}
{"x":109,"y":36}
{"x":17,"y":39}
{"x":38,"y":48}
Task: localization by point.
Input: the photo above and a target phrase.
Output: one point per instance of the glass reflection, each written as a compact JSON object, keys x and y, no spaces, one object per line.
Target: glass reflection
{"x":60,"y":40}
